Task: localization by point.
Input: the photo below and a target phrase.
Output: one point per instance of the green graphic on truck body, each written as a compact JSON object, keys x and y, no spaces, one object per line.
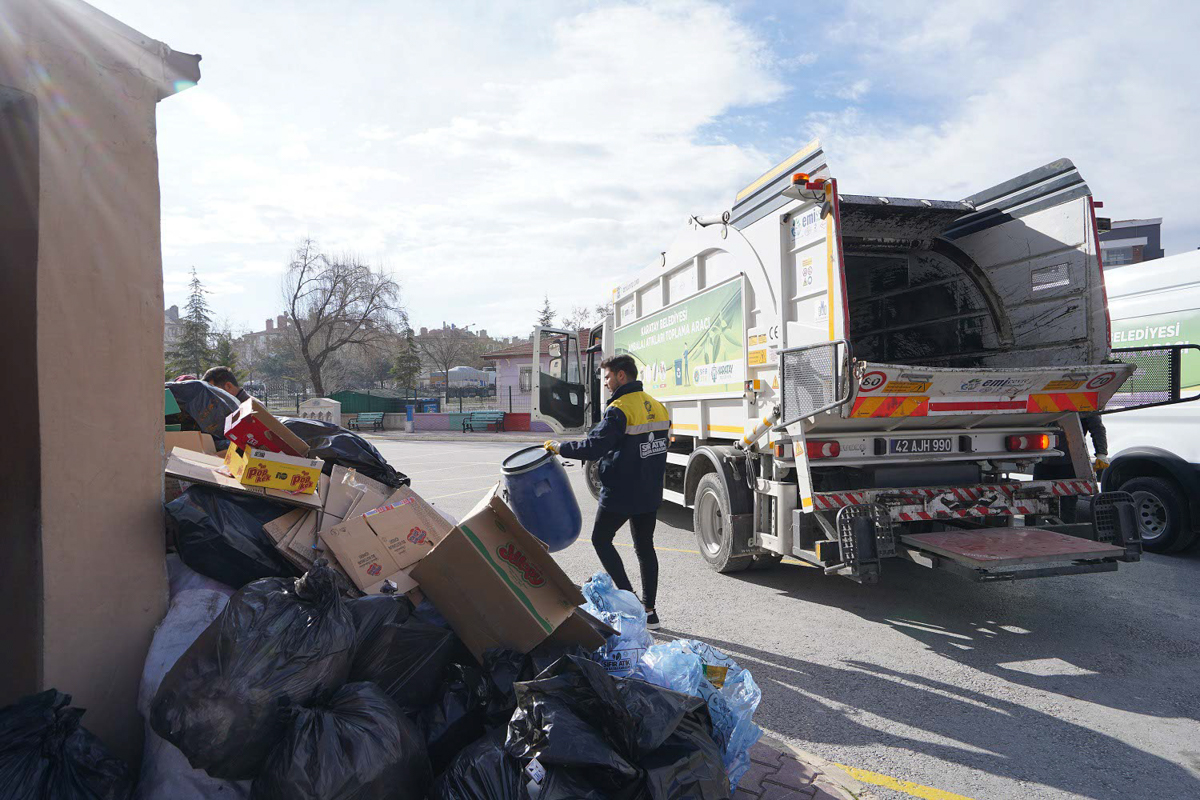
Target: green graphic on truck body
{"x":695,"y":347}
{"x":1177,"y":327}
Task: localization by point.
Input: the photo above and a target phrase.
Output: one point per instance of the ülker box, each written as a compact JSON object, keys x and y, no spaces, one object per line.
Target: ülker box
{"x":253,"y":426}
{"x":498,"y":586}
{"x":253,"y":467}
{"x":375,"y":546}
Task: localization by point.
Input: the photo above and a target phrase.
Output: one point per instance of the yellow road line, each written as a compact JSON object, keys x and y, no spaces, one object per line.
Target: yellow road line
{"x":907,"y":787}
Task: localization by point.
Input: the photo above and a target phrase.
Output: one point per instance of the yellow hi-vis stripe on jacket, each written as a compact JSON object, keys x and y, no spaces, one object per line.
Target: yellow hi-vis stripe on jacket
{"x":642,"y":413}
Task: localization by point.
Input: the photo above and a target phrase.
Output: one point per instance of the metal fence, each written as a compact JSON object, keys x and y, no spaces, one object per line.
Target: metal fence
{"x":510,"y":400}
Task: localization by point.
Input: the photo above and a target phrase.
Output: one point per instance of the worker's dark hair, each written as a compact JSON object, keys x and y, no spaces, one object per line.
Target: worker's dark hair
{"x":624,"y":364}
{"x":219,"y":376}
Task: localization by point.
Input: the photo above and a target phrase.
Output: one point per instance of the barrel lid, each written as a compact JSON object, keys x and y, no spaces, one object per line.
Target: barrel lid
{"x":525,"y":458}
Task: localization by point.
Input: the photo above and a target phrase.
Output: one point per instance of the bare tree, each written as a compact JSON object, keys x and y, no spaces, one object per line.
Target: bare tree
{"x":335,"y":302}
{"x":585,"y":316}
{"x":446,"y":348}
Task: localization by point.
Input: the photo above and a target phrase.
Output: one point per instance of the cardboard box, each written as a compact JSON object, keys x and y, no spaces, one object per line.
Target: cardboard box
{"x":270,"y":470}
{"x":497,"y":586}
{"x":375,"y":546}
{"x":253,"y":426}
{"x":192,"y":467}
{"x":195,"y":441}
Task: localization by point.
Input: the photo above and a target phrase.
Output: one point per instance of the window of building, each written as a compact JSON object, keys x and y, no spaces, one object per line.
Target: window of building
{"x":526,"y":379}
{"x":1114,"y":256}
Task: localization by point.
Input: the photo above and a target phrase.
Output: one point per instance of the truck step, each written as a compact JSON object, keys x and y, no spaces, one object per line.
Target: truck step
{"x":1004,"y":547}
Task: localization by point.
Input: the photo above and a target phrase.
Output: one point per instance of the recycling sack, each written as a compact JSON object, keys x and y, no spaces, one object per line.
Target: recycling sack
{"x":624,"y":613}
{"x":614,"y":737}
{"x":732,"y":696}
{"x":339,"y":446}
{"x":279,"y":642}
{"x":203,"y":407}
{"x":405,"y":656}
{"x":220,"y":535}
{"x":482,"y":771}
{"x":358,"y":745}
{"x":46,"y":753}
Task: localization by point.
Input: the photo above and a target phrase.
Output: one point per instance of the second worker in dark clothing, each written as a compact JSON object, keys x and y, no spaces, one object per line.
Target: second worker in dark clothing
{"x":631,"y":445}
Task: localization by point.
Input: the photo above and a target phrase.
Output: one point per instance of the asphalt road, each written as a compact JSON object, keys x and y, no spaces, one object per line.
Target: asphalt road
{"x":1082,"y":686}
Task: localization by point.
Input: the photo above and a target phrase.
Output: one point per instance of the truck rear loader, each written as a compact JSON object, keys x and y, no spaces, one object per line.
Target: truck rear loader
{"x":855,"y":378}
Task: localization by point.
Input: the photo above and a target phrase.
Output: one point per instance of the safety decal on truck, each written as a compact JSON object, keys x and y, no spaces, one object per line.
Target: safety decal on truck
{"x":1062,"y":401}
{"x":894,"y":406}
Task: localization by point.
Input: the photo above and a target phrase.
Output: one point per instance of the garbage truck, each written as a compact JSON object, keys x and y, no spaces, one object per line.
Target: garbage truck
{"x":856,"y":378}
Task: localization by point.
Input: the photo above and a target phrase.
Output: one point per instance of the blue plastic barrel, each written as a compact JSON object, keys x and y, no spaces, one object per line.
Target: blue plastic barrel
{"x":539,"y":493}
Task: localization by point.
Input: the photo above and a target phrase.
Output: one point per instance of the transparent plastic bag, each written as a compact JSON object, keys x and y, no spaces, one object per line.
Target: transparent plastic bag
{"x":700,"y":669}
{"x":624,"y":613}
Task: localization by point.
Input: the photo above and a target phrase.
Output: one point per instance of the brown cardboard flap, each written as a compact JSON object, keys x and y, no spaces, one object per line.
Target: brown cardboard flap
{"x":200,"y":468}
{"x":571,"y":593}
{"x":582,"y":629}
{"x":279,"y":527}
{"x":195,"y":441}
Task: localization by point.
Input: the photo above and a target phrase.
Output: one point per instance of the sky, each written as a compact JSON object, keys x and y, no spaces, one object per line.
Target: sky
{"x":488,"y":153}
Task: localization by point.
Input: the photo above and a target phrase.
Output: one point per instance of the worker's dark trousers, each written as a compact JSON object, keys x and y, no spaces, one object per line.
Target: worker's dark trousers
{"x":642,"y":527}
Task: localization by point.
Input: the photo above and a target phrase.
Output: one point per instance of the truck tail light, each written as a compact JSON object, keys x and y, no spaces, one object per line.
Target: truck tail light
{"x":1027,"y":442}
{"x":817,"y":450}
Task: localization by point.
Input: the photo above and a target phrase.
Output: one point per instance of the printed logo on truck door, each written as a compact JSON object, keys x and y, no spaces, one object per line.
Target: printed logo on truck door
{"x":520,"y":565}
{"x":807,"y":227}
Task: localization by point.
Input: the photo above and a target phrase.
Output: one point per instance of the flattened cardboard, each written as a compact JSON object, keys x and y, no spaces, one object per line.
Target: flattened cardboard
{"x":408,"y":526}
{"x":270,"y":470}
{"x":186,"y":465}
{"x":497,"y":586}
{"x":253,"y":426}
{"x":279,"y":527}
{"x":195,"y":441}
{"x":360,"y":552}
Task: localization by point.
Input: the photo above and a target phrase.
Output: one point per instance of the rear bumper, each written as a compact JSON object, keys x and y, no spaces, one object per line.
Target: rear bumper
{"x":959,"y":502}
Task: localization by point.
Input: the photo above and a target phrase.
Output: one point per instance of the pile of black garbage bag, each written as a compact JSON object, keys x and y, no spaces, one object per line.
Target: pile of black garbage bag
{"x":311,"y":695}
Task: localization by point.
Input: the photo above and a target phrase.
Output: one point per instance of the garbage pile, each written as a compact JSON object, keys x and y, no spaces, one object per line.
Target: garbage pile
{"x":333,"y":636}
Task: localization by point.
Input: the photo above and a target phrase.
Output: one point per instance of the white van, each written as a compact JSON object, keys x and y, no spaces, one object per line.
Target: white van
{"x":1156,"y":450}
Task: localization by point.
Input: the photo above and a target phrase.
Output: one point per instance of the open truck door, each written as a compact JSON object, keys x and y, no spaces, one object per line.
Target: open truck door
{"x":560,"y":391}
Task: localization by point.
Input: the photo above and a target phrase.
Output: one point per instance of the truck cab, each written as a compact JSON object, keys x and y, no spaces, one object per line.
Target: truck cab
{"x":853,"y":378}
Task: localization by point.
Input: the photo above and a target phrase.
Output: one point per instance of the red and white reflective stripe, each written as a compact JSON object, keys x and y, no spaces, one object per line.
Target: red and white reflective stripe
{"x":839,"y":499}
{"x":1068,"y":488}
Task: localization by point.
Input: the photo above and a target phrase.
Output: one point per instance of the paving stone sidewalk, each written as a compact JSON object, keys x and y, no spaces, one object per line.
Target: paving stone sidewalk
{"x":780,"y":772}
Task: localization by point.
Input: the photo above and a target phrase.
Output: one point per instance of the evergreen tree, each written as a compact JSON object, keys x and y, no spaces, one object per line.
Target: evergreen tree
{"x":191,"y":353}
{"x":406,"y":367}
{"x":545,"y":317}
{"x":224,"y":354}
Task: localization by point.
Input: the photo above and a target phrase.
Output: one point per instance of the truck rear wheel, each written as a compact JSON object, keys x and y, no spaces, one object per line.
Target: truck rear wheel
{"x":591,"y":476}
{"x":1162,"y":514}
{"x":710,"y":521}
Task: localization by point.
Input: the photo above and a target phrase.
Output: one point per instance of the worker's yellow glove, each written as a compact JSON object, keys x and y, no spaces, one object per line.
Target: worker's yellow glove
{"x":552,"y":446}
{"x":1100,"y":463}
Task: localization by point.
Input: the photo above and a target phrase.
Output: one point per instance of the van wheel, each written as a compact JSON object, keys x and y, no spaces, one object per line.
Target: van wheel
{"x":591,"y":476}
{"x":1162,"y":514}
{"x":710,"y":521}
{"x":760,"y":561}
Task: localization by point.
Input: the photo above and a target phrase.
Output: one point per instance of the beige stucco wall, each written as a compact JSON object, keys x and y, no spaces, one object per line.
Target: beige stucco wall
{"x":99,"y":350}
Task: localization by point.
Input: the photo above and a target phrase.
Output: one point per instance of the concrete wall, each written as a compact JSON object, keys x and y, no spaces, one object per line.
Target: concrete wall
{"x":97,"y":568}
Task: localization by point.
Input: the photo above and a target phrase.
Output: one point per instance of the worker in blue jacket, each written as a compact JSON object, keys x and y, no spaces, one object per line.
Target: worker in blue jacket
{"x":631,"y":445}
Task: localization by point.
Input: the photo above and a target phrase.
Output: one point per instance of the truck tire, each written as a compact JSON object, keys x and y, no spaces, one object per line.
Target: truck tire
{"x":710,"y":521}
{"x":1162,"y":514}
{"x":591,"y":476}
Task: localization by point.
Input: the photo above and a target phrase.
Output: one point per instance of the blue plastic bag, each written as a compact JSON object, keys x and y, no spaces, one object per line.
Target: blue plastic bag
{"x":621,"y":610}
{"x":699,"y":669}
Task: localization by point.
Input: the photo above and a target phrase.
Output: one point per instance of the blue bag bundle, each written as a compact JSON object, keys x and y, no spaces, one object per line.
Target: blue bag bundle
{"x":699,"y":669}
{"x":621,"y":610}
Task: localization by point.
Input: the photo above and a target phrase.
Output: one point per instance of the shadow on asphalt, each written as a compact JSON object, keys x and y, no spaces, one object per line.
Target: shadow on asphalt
{"x":1073,"y":631}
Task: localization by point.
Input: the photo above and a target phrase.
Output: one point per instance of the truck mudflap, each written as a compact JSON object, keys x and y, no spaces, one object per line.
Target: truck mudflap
{"x":958,"y":502}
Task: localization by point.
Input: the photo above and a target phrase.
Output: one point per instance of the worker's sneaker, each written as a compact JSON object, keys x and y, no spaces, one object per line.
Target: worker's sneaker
{"x":652,"y":619}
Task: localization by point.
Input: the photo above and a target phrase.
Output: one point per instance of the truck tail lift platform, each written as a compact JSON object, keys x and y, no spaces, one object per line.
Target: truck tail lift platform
{"x":855,"y":378}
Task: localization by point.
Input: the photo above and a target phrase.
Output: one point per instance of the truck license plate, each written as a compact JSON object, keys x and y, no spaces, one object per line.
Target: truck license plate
{"x":941,"y":444}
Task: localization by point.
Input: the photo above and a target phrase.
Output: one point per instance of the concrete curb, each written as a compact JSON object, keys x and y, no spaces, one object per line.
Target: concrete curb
{"x":830,"y":778}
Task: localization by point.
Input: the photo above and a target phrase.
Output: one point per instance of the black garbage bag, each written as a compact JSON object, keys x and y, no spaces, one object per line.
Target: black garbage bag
{"x":220,"y":535}
{"x":482,"y":771}
{"x":405,"y":656}
{"x":339,"y":446}
{"x":621,"y":738}
{"x":356,"y":746}
{"x":203,"y":407}
{"x":279,"y":642}
{"x":455,"y":718}
{"x":46,"y":753}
